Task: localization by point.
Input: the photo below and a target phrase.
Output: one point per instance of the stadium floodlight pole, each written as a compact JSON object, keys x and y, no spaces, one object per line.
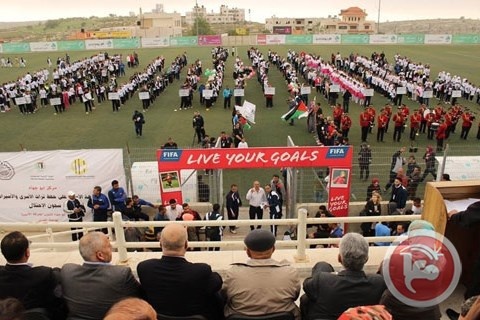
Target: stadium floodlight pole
{"x":378,"y":19}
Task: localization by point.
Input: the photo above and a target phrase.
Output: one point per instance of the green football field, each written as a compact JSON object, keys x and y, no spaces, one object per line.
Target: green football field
{"x":105,"y":129}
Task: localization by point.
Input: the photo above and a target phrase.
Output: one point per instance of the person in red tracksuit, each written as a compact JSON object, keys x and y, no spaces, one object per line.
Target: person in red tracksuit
{"x":441,"y":135}
{"x":382,"y":122}
{"x":415,"y":119}
{"x":337,"y":114}
{"x":406,"y":114}
{"x":346,"y":124}
{"x":372,"y":112}
{"x":364,"y":124}
{"x":398,"y":120}
{"x":467,"y":121}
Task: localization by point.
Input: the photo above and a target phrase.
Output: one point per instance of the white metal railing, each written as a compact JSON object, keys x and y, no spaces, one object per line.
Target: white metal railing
{"x":117,"y":227}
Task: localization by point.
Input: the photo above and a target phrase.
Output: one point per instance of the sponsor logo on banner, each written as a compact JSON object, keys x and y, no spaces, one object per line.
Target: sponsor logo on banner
{"x":155,"y":42}
{"x":275,"y":39}
{"x":98,"y":44}
{"x":43,"y":46}
{"x":79,"y":166}
{"x":383,"y":38}
{"x":171,"y":155}
{"x":6,"y":170}
{"x":337,"y":152}
{"x":422,"y":269}
{"x":215,"y":40}
{"x":326,"y":38}
{"x":261,"y":39}
{"x":438,"y":38}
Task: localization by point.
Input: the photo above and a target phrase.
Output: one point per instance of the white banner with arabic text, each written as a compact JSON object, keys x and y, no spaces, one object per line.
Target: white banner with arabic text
{"x":34,"y":184}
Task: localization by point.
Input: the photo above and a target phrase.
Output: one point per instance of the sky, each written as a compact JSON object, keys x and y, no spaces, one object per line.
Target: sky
{"x":390,"y":10}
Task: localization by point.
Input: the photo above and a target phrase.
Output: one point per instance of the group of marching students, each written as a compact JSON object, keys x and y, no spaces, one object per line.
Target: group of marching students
{"x":86,"y":81}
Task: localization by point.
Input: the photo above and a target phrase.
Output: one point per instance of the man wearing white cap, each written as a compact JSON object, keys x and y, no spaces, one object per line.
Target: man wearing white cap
{"x":76,"y":211}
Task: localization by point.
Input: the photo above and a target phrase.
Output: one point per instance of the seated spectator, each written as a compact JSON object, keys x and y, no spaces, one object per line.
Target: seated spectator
{"x":133,"y":212}
{"x":349,"y":288}
{"x":445,"y":177}
{"x":35,"y":287}
{"x":160,"y":216}
{"x":131,"y":309}
{"x":336,"y":230}
{"x":11,"y":309}
{"x":92,"y":288}
{"x":373,"y":207}
{"x":261,"y":285}
{"x":417,"y":206}
{"x":176,"y":287}
{"x":377,"y":312}
{"x":382,"y":230}
{"x":323,"y":230}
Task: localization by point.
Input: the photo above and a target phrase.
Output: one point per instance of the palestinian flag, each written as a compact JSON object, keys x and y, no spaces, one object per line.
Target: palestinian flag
{"x":244,"y":122}
{"x":299,"y":111}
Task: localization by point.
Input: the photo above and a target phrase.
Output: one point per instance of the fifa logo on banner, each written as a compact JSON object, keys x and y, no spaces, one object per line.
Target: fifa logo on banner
{"x":171,"y":155}
{"x":79,"y":166}
{"x":337,"y":152}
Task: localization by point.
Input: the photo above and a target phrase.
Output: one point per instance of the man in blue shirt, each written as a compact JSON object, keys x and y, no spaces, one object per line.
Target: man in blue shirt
{"x":117,"y":197}
{"x":382,"y":230}
{"x":99,"y":204}
{"x":227,"y":97}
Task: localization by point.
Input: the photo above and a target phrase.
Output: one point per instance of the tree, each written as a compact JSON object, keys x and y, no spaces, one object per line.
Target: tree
{"x":204,"y":27}
{"x":51,"y":24}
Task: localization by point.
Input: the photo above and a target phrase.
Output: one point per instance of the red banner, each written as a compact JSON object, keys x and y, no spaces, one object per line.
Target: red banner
{"x":338,"y":159}
{"x":261,"y":39}
{"x":271,"y":157}
{"x":215,"y":40}
{"x":339,"y":191}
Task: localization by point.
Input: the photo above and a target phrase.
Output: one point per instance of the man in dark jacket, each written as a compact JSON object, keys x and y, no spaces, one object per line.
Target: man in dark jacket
{"x":328,"y":294}
{"x":176,"y":287}
{"x":35,"y":287}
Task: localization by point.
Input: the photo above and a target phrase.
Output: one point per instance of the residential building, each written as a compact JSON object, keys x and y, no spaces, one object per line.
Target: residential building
{"x":352,"y":21}
{"x":226,"y":15}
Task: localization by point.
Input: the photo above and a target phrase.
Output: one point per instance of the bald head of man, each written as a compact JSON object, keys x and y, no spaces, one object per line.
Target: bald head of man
{"x":173,"y":240}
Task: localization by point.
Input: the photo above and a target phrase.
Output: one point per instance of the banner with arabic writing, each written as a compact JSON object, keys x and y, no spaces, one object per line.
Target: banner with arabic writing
{"x":34,"y":184}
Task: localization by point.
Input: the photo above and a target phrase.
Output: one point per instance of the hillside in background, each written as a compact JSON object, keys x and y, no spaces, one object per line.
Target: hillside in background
{"x":434,"y":26}
{"x":60,"y":29}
